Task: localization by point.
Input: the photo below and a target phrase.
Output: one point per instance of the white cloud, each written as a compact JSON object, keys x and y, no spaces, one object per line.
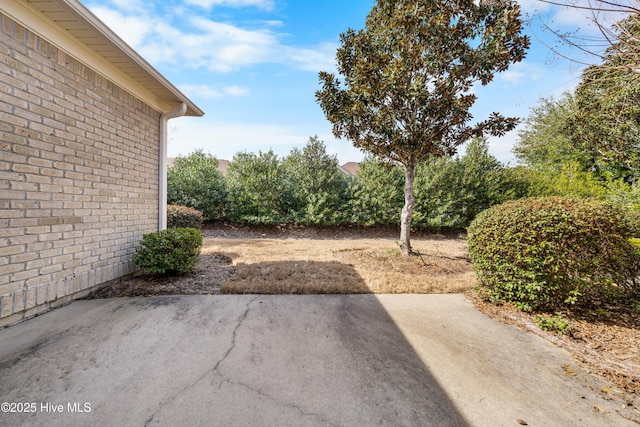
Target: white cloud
{"x":522,"y":71}
{"x":583,"y":12}
{"x":575,"y":31}
{"x":224,"y":139}
{"x":233,"y":47}
{"x":208,"y":92}
{"x":274,"y":23}
{"x":573,"y":17}
{"x":512,"y":76}
{"x":584,"y":15}
{"x":129,"y":5}
{"x":533,"y":6}
{"x":132,"y":29}
{"x":322,"y":58}
{"x":236,"y":91}
{"x":216,"y":46}
{"x":208,"y":4}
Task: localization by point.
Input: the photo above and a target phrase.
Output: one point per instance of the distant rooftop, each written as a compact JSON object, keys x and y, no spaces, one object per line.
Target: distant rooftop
{"x":351,"y":167}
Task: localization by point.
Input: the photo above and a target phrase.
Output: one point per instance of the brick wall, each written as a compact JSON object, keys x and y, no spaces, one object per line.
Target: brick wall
{"x":78,"y":176}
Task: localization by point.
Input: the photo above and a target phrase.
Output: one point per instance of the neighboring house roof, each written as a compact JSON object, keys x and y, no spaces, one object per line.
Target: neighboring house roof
{"x":223,"y":165}
{"x":351,"y":167}
{"x":78,"y":31}
{"x":344,"y":171}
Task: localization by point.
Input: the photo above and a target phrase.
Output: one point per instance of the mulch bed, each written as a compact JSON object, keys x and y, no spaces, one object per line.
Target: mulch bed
{"x":211,"y":271}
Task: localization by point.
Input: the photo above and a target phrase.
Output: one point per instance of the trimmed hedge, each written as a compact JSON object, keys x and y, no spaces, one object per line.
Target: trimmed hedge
{"x":168,"y":252}
{"x":195,"y":181}
{"x":183,"y":216}
{"x":545,"y":253}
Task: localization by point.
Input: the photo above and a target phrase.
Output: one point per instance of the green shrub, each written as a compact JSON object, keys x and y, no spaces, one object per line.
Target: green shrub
{"x":556,"y":323}
{"x":259,"y":190}
{"x":633,"y":222}
{"x":450,"y":192}
{"x":545,"y":253}
{"x":320,"y":190}
{"x":377,"y":195}
{"x":170,"y":251}
{"x":183,"y":216}
{"x":195,"y":181}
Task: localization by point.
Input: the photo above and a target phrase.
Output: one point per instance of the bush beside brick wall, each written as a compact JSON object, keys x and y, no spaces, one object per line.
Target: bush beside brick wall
{"x":78,"y":176}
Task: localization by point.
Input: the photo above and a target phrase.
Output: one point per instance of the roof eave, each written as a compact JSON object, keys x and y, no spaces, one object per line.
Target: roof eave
{"x":83,"y":14}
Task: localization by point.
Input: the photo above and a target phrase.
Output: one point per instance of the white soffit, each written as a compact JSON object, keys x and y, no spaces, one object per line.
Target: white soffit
{"x":73,"y":28}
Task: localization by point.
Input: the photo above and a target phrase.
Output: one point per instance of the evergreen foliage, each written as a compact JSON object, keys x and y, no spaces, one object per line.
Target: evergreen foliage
{"x":260,"y":190}
{"x":377,"y":193}
{"x":169,"y":252}
{"x":183,"y":216}
{"x":551,"y":252}
{"x":320,"y":190}
{"x":450,"y":192}
{"x":195,"y":181}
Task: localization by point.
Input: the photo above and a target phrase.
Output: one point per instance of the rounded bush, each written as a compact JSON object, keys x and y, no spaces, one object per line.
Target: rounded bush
{"x":545,"y":253}
{"x":168,"y":252}
{"x":183,"y":216}
{"x":633,"y":221}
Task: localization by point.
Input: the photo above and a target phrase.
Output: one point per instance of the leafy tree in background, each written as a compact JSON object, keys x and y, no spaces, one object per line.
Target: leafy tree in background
{"x":377,"y":193}
{"x":320,"y":190}
{"x":607,"y":118}
{"x":405,"y":92}
{"x":558,"y":163}
{"x":554,"y":166}
{"x":259,"y":189}
{"x":195,"y":181}
{"x":544,"y":143}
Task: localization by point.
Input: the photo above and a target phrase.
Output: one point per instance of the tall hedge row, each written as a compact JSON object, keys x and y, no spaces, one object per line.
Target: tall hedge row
{"x":307,"y":187}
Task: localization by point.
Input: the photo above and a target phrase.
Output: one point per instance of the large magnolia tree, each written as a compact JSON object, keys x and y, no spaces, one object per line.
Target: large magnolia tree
{"x":404,"y":91}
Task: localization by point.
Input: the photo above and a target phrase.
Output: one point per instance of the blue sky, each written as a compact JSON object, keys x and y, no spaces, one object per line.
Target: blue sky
{"x":252,"y":66}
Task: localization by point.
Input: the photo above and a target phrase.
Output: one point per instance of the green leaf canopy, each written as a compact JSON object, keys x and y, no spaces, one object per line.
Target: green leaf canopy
{"x":405,"y":92}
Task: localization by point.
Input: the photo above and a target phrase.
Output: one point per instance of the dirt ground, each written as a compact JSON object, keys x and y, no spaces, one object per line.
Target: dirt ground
{"x":359,"y":260}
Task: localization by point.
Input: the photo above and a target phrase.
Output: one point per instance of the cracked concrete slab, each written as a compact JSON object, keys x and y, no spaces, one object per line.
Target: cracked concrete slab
{"x":322,"y":360}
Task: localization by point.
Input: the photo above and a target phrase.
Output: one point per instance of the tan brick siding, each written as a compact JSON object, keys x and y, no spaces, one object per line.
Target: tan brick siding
{"x":78,"y":176}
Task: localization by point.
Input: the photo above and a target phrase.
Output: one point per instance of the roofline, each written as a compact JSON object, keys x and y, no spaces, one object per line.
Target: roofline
{"x":88,"y":16}
{"x":74,"y":29}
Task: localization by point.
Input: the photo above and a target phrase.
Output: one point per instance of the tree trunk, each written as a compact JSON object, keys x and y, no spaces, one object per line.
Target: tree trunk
{"x":407,"y":209}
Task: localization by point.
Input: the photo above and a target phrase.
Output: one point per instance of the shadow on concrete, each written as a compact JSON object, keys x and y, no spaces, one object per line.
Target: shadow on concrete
{"x":340,"y":359}
{"x":232,"y":360}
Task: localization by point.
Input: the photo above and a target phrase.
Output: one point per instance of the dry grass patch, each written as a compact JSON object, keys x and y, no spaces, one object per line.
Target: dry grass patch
{"x":303,"y":266}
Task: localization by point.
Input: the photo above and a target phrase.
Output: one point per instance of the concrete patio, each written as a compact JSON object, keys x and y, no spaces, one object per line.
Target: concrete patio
{"x":248,"y":360}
